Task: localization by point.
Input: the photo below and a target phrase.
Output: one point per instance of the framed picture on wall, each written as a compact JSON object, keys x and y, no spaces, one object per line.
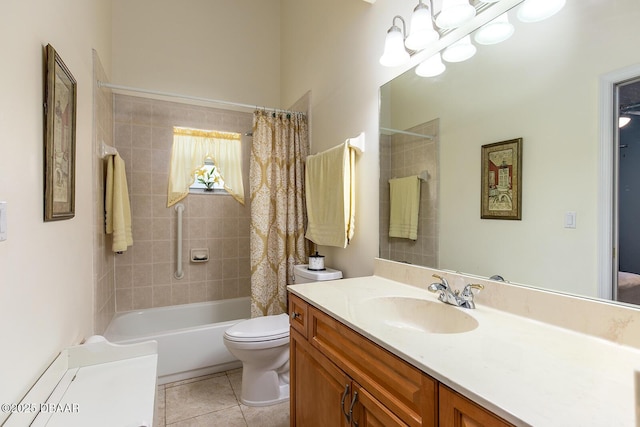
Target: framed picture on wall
{"x":502,"y":180}
{"x":59,"y":139}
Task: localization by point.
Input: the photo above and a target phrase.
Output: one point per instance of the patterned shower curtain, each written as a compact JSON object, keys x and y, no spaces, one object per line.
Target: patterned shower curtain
{"x":278,"y":211}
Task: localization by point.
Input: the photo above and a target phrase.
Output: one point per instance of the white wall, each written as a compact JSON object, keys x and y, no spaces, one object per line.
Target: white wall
{"x":218,"y":49}
{"x":46,"y":285}
{"x":332,"y":48}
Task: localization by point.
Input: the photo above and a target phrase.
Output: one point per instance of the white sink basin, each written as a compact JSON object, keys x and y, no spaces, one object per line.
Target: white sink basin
{"x":415,"y":314}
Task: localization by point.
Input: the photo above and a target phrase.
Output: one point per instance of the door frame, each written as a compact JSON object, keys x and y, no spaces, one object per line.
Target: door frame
{"x":608,"y":180}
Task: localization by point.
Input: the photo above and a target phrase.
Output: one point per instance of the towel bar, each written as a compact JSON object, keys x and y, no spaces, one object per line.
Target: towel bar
{"x":107,"y":150}
{"x":357,"y":143}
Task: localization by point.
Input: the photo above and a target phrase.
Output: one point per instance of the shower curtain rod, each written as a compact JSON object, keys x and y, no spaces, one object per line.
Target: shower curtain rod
{"x":192,"y":98}
{"x":404,"y":132}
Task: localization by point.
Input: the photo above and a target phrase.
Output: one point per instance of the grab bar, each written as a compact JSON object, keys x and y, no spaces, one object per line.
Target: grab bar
{"x":179,"y":274}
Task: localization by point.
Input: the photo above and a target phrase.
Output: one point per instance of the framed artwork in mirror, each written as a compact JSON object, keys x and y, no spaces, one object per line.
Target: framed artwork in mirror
{"x":502,"y":180}
{"x":59,"y":139}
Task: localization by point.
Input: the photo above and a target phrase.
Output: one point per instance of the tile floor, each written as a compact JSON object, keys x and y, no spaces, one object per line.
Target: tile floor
{"x":211,"y":401}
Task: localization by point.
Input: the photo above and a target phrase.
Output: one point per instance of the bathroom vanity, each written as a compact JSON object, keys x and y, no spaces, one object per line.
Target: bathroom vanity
{"x":339,"y":377}
{"x":363,"y":354}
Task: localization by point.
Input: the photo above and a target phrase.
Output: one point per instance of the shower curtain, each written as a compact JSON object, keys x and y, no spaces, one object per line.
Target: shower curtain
{"x":278,"y":212}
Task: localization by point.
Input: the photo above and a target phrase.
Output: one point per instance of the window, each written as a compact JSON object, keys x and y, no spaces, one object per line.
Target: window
{"x":209,"y":155}
{"x":207,"y":179}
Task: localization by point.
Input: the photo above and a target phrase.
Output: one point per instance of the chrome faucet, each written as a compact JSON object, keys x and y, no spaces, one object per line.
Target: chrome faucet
{"x":462,"y":299}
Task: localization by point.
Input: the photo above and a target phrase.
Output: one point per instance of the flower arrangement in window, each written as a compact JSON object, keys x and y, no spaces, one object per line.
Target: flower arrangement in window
{"x":208,"y":176}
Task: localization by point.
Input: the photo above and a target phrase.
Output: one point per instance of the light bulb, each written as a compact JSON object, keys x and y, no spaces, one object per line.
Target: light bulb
{"x":495,"y":31}
{"x":421,"y":30}
{"x":431,"y":67}
{"x":623,"y":121}
{"x":454,"y":13}
{"x":394,"y":52}
{"x":460,"y":51}
{"x":538,"y":10}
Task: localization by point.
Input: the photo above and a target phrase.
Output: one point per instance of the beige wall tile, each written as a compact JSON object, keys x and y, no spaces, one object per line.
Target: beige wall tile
{"x":162,"y":273}
{"x":142,"y":275}
{"x":124,"y":299}
{"x":161,"y":296}
{"x":124,"y":276}
{"x":144,"y":128}
{"x":142,"y":297}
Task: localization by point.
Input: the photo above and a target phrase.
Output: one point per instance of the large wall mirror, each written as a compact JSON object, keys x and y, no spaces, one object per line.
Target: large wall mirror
{"x":541,"y":85}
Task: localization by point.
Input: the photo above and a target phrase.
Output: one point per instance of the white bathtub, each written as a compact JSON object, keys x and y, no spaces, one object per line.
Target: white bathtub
{"x":189,"y":336}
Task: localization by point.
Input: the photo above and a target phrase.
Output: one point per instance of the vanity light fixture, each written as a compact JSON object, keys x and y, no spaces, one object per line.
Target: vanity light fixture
{"x":395,"y":53}
{"x":431,"y":67}
{"x":421,"y":31}
{"x":399,"y":46}
{"x":454,"y":13}
{"x":459,"y":51}
{"x":495,"y":31}
{"x":538,"y":10}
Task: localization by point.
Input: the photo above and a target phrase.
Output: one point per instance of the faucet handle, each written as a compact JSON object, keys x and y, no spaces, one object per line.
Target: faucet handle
{"x":467,"y":291}
{"x":442,"y":279}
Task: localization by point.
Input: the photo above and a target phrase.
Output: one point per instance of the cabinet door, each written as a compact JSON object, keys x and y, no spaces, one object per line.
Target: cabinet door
{"x":404,"y":389}
{"x":369,"y":412}
{"x":321,"y":392}
{"x":458,"y":411}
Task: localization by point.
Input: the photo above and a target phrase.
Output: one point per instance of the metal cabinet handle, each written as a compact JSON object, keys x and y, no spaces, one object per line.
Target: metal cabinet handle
{"x":344,"y":396}
{"x":353,"y":402}
{"x":295,"y":315}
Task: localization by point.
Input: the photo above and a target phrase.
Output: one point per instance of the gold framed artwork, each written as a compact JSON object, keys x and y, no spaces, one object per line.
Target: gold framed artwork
{"x":59,"y":139}
{"x":502,"y":180}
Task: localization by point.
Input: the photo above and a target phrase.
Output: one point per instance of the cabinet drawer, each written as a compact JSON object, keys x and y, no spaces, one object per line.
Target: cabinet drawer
{"x":298,"y":312}
{"x":404,"y":389}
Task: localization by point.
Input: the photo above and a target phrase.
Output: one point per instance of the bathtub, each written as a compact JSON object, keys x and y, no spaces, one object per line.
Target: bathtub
{"x":189,"y":336}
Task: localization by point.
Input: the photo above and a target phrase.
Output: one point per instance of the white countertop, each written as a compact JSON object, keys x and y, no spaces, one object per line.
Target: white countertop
{"x":528,"y":372}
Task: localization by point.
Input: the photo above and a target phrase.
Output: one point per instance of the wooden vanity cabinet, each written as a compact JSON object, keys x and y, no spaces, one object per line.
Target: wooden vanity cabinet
{"x":458,"y":411}
{"x":340,"y":378}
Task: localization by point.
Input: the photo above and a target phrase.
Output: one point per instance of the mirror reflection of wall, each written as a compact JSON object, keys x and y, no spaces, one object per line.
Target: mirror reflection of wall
{"x":405,"y":153}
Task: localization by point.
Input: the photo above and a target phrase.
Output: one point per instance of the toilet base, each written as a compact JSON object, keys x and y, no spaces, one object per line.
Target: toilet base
{"x":283,"y":397}
{"x":264,"y":388}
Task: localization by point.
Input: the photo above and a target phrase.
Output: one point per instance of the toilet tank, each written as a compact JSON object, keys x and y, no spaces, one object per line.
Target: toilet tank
{"x":302,"y":274}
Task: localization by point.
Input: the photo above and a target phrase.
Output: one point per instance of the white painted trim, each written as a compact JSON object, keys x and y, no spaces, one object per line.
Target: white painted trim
{"x":607,"y":239}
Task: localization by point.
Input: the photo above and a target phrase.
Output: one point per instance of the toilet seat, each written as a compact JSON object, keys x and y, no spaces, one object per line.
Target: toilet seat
{"x":266,"y":328}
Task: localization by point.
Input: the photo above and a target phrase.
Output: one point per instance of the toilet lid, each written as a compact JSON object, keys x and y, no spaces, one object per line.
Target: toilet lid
{"x":260,"y":328}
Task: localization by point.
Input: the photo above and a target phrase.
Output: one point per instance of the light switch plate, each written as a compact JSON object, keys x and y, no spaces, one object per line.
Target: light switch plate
{"x":570,"y":220}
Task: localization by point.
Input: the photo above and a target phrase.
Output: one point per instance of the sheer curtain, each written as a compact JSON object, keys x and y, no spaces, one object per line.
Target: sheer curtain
{"x":278,"y":212}
{"x":190,"y":149}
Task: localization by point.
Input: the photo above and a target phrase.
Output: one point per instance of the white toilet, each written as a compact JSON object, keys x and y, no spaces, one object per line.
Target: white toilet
{"x":262,"y":345}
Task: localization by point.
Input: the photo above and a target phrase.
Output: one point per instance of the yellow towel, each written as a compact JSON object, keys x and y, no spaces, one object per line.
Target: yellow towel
{"x":330,"y":194}
{"x":405,"y":207}
{"x":118,"y":210}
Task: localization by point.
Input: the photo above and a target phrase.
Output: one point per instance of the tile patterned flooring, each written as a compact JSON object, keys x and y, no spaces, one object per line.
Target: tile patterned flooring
{"x":211,"y":401}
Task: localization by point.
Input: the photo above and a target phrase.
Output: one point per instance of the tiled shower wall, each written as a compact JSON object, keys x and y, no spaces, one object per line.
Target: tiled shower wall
{"x":404,"y":155}
{"x":144,"y":274}
{"x":103,"y":258}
